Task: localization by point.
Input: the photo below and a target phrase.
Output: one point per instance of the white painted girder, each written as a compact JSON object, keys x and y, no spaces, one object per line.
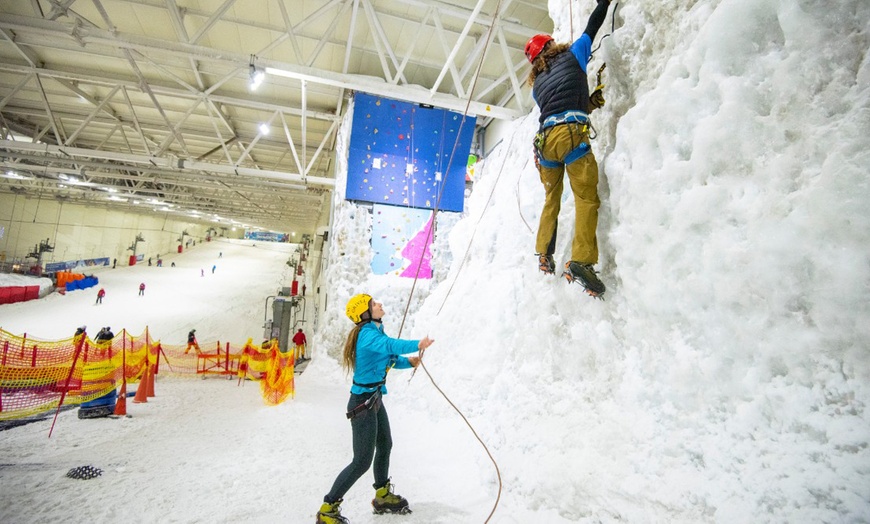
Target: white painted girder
{"x":379,"y":87}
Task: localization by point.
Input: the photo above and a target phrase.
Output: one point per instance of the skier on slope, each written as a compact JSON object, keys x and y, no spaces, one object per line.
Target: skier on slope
{"x":560,"y":88}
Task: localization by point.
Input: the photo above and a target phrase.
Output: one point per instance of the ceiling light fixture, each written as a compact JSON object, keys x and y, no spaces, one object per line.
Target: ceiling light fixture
{"x":264,"y":129}
{"x":255,"y":74}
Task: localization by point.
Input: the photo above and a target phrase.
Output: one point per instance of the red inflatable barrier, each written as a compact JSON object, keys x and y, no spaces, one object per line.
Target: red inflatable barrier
{"x":13,"y":294}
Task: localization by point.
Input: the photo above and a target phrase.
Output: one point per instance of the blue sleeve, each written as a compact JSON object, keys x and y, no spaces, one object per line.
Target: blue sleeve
{"x":582,"y":50}
{"x":381,"y":343}
{"x":402,"y":363}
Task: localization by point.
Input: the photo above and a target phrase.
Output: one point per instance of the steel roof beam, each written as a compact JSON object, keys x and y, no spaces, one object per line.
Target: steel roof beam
{"x":130,"y":42}
{"x":95,"y":78}
{"x":12,"y":145}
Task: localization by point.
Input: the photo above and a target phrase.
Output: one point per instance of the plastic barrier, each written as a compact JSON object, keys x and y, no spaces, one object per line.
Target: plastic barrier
{"x":37,"y":376}
{"x":99,"y":407}
{"x":13,"y":294}
{"x":82,"y":283}
{"x":65,"y":277}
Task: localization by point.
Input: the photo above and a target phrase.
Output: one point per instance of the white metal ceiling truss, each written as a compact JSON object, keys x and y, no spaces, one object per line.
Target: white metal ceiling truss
{"x":144,"y":101}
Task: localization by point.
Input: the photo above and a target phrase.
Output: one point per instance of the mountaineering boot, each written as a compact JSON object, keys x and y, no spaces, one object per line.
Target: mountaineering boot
{"x":331,"y":514}
{"x":546,"y":264}
{"x":386,"y":501}
{"x":586,"y":277}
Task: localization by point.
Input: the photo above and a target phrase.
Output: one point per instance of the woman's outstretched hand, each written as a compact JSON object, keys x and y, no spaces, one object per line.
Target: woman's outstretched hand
{"x":421,"y":347}
{"x":426,"y":342}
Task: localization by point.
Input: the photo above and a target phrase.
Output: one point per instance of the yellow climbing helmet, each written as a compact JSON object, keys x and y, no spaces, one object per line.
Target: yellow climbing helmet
{"x":357,"y":306}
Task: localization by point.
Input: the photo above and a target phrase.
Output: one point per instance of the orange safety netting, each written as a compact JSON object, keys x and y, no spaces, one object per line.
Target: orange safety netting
{"x":37,"y":376}
{"x":275,"y":370}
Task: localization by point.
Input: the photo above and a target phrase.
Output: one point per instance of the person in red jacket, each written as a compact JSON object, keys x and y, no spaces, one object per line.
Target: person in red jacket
{"x":141,"y":289}
{"x":100,"y":294}
{"x":299,"y":340}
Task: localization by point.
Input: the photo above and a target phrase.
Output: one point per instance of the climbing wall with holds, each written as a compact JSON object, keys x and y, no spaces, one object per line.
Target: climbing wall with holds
{"x":405,"y":154}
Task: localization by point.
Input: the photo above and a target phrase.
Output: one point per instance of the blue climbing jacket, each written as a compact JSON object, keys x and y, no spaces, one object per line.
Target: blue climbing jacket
{"x":376,"y":354}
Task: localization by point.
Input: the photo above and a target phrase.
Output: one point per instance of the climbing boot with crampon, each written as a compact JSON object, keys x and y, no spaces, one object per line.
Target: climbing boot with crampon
{"x":386,"y":501}
{"x":331,"y":514}
{"x":584,"y":275}
{"x":546,"y":264}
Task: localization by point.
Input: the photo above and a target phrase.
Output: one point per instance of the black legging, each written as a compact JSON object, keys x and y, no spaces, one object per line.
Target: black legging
{"x":371,"y":440}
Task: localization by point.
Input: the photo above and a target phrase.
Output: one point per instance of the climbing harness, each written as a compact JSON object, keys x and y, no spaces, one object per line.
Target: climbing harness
{"x":567,"y":117}
{"x":374,"y":402}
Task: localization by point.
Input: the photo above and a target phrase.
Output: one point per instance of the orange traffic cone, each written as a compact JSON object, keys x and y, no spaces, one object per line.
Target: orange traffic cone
{"x":150,"y":385}
{"x":142,"y":391}
{"x":121,"y":403}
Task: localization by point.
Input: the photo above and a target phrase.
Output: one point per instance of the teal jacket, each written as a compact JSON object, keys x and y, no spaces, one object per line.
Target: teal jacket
{"x":376,"y":353}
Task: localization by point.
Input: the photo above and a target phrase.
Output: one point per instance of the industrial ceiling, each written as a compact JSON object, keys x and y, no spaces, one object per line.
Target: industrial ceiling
{"x":149,"y":103}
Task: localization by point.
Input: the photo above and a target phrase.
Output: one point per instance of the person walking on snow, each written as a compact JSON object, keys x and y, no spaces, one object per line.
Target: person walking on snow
{"x":100,"y":294}
{"x":370,"y":354}
{"x":212,"y":269}
{"x":299,"y":340}
{"x":142,"y":289}
{"x":560,"y":88}
{"x":104,"y":338}
{"x":191,"y":342}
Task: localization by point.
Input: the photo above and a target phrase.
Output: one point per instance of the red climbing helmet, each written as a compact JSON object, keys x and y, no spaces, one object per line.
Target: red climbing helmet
{"x":535,"y":45}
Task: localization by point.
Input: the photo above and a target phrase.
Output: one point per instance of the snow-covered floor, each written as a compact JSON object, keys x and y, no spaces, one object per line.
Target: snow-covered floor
{"x":725,"y":379}
{"x":211,"y":450}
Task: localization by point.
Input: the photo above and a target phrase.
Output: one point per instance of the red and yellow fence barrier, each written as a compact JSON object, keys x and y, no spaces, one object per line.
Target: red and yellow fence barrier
{"x":37,"y":376}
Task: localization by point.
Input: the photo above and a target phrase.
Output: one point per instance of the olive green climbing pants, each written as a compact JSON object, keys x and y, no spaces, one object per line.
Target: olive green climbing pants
{"x":583,"y":176}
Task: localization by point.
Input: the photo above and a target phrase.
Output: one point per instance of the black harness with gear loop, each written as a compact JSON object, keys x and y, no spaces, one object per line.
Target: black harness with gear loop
{"x":372,"y":403}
